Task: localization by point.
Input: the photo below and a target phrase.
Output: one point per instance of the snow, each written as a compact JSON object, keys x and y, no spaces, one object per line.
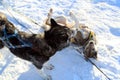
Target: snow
{"x":100,"y":15}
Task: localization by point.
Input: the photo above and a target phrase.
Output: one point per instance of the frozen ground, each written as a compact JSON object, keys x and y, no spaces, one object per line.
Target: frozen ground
{"x":103,"y":16}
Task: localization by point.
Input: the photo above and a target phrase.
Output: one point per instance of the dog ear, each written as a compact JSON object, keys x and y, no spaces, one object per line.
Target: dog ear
{"x":53,"y":23}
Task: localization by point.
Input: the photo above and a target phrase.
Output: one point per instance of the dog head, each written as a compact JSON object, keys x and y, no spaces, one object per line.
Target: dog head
{"x":86,"y":37}
{"x":6,"y":25}
{"x":58,"y":36}
{"x":90,"y":50}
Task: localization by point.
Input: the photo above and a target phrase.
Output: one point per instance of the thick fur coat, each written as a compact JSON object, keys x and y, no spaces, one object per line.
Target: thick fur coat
{"x":84,"y":37}
{"x":42,"y":47}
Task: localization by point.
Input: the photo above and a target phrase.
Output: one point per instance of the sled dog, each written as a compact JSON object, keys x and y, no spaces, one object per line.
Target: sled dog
{"x":35,"y":48}
{"x":86,"y":38}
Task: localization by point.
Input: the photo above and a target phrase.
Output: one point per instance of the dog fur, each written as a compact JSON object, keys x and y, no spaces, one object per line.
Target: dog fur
{"x":80,"y":33}
{"x":61,"y":20}
{"x":56,"y":38}
{"x":85,"y":37}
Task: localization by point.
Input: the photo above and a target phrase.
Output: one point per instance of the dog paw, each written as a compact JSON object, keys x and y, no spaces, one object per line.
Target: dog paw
{"x":48,"y":77}
{"x":49,"y":67}
{"x":51,"y":10}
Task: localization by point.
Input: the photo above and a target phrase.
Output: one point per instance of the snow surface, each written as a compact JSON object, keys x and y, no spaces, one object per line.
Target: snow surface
{"x":100,"y":15}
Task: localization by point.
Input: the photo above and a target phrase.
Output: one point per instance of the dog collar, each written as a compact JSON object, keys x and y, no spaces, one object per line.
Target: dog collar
{"x":91,"y":35}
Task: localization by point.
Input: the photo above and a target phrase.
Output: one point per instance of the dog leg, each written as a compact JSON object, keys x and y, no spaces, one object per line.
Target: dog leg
{"x":75,"y":19}
{"x":49,"y":17}
{"x":44,"y":75}
{"x":76,"y":26}
{"x":47,"y":23}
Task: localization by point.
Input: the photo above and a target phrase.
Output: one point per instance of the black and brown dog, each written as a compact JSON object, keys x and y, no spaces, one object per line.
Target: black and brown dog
{"x":38,"y":49}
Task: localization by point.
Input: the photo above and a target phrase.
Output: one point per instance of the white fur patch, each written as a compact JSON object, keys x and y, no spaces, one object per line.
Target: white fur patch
{"x":85,"y":34}
{"x":46,"y":27}
{"x":61,"y":20}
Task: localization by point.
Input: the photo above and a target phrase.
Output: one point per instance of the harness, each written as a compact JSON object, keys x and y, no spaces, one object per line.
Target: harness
{"x":91,"y":35}
{"x":8,"y":44}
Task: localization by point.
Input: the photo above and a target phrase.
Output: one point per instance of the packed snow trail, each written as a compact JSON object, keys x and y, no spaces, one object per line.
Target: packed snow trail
{"x":39,"y":25}
{"x":89,"y":60}
{"x":101,"y":17}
